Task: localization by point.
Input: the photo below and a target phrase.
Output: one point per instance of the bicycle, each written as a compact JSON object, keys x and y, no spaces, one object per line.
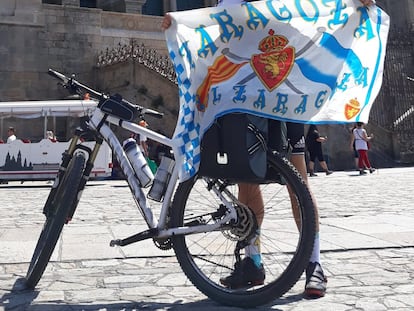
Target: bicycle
{"x":200,"y":218}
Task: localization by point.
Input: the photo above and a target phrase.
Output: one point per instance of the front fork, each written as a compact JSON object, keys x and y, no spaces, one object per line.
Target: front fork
{"x":49,"y":208}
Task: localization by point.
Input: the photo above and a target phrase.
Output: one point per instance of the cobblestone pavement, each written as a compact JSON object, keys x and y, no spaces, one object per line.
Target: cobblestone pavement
{"x":367,"y":232}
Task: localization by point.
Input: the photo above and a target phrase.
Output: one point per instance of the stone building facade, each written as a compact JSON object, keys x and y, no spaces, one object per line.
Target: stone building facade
{"x":35,"y":36}
{"x":92,"y":38}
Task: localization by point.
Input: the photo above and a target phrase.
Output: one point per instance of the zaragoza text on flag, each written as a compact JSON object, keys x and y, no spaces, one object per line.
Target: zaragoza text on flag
{"x":313,"y":61}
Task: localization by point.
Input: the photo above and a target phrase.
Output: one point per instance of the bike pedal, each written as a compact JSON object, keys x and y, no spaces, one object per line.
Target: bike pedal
{"x":115,"y":243}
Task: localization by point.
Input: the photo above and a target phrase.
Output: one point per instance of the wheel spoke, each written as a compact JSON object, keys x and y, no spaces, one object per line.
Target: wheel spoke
{"x":207,"y":257}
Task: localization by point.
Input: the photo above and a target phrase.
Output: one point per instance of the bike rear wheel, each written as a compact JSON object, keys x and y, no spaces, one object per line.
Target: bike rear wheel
{"x":60,"y":205}
{"x":286,"y":243}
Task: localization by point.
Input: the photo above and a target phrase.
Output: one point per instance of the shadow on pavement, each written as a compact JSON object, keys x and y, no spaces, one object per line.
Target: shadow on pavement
{"x":35,"y":186}
{"x":20,"y":298}
{"x":20,"y":186}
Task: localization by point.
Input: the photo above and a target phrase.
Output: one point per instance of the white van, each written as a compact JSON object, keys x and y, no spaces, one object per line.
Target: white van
{"x":37,"y":154}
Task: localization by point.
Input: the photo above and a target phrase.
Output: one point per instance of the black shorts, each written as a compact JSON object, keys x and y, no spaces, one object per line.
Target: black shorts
{"x":316,"y":153}
{"x":296,"y":136}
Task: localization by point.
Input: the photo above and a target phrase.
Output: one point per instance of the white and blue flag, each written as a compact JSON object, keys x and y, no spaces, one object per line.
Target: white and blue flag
{"x":314,"y":61}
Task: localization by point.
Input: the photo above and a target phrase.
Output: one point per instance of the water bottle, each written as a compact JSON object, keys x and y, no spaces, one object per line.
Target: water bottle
{"x":138,"y":162}
{"x":162,"y":177}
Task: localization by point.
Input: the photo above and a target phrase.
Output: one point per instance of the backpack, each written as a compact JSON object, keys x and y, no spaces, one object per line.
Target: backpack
{"x":235,"y":147}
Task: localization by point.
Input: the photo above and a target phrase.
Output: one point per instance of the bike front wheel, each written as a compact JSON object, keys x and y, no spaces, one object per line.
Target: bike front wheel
{"x":286,"y":237}
{"x":58,"y":209}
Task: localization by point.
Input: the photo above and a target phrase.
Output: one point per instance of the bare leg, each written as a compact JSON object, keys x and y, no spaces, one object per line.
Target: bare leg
{"x":251,"y":195}
{"x":324,"y":166}
{"x":315,"y":279}
{"x":311,"y":166}
{"x":298,"y":161}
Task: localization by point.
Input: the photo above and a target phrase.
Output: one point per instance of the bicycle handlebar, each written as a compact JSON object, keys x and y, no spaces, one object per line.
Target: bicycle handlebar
{"x":78,"y":87}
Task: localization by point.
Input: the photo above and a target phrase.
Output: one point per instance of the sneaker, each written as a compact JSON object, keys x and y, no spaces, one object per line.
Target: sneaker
{"x":372,"y":170}
{"x":245,"y":274}
{"x":328,"y":172}
{"x":362,"y":172}
{"x":312,"y":174}
{"x":315,"y":281}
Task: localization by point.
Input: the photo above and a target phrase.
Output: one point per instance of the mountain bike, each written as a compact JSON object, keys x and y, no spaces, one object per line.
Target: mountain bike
{"x":201,"y":218}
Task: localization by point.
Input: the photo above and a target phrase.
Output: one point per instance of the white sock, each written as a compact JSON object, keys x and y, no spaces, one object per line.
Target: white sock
{"x":316,"y":253}
{"x":253,"y":250}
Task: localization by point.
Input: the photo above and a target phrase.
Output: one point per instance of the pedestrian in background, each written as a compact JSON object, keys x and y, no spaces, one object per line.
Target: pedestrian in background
{"x":142,"y":139}
{"x":354,"y":151}
{"x":51,"y":136}
{"x":314,"y":145}
{"x":11,"y":133}
{"x":362,"y":145}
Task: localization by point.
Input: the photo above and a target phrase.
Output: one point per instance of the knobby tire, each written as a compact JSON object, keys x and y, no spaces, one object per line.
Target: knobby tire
{"x":60,"y":204}
{"x":207,"y":257}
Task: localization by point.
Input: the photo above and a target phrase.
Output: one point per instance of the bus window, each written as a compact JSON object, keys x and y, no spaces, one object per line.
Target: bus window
{"x":34,"y":155}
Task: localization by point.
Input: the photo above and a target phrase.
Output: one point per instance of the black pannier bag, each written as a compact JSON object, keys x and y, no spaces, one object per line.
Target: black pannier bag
{"x":117,"y":106}
{"x":235,"y":147}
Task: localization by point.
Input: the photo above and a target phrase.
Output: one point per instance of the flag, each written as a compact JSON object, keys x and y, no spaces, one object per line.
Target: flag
{"x":221,"y":70}
{"x":310,"y":62}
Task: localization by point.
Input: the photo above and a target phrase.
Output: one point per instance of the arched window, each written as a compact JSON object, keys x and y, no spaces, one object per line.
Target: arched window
{"x":189,"y":4}
{"x":59,"y":2}
{"x":88,"y":3}
{"x":153,"y":7}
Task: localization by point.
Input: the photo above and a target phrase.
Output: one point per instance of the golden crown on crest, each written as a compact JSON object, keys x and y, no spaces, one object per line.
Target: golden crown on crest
{"x":273,"y":42}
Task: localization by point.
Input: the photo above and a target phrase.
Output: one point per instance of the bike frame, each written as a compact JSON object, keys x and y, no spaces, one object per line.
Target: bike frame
{"x":98,"y":124}
{"x":231,"y":223}
{"x":157,"y":228}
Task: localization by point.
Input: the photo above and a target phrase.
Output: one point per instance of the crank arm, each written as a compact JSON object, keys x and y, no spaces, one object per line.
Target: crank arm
{"x":191,"y":230}
{"x":144,"y":235}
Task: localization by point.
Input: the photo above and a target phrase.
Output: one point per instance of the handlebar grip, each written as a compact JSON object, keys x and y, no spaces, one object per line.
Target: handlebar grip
{"x":58,"y":75}
{"x":153,"y":113}
{"x":76,"y":87}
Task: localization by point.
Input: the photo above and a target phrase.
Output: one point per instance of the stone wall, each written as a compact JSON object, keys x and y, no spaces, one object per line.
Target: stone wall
{"x":36,"y":36}
{"x":142,"y":86}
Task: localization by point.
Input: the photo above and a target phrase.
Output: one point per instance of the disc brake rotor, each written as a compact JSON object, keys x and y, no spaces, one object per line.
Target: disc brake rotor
{"x":245,"y":227}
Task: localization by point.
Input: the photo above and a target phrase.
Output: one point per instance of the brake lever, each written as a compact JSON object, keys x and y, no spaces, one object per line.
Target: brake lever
{"x":152,"y":113}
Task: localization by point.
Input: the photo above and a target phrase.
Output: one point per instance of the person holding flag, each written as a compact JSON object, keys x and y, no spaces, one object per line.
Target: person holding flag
{"x":250,"y":270}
